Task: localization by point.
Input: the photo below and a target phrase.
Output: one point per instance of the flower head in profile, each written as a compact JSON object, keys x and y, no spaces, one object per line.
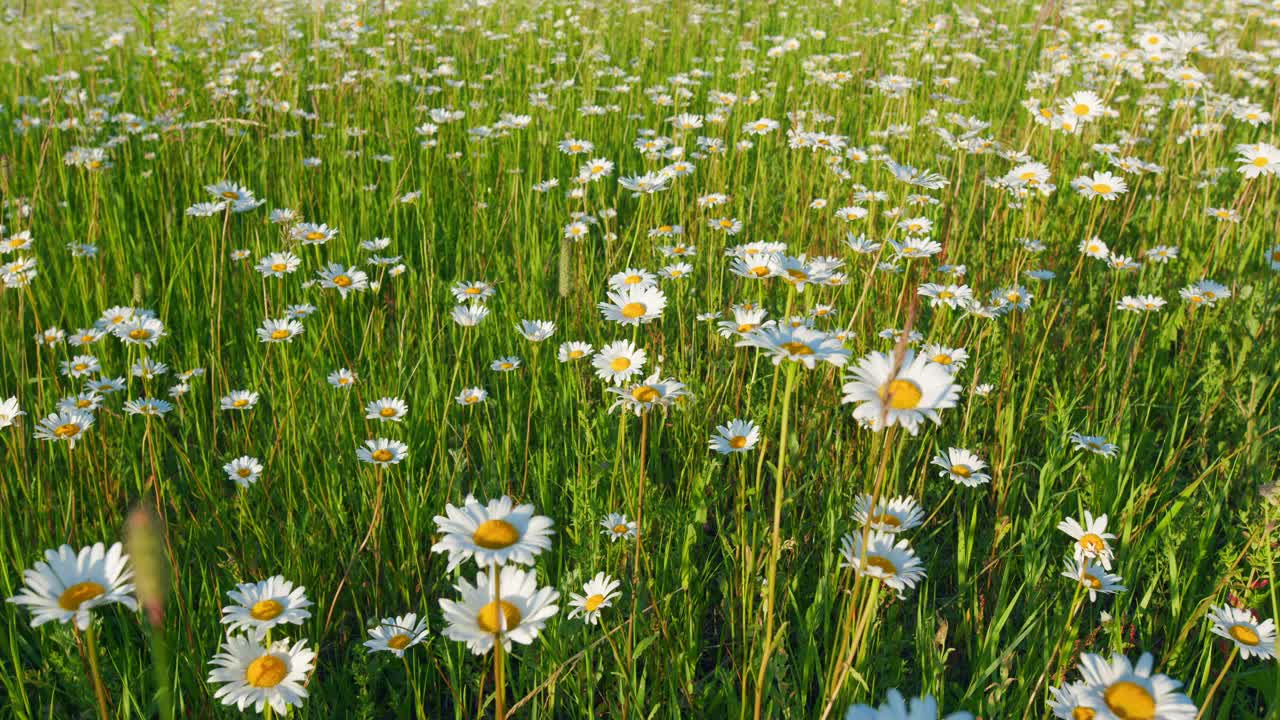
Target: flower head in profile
{"x":343,"y":279}
{"x":962,"y":467}
{"x":801,"y":344}
{"x":536,"y":330}
{"x":67,"y":584}
{"x":737,"y":436}
{"x":1095,"y":444}
{"x":891,"y":516}
{"x":899,"y":708}
{"x":397,"y":634}
{"x":496,"y":533}
{"x":257,"y":676}
{"x":382,"y":452}
{"x":1093,"y":578}
{"x":481,"y":616}
{"x":882,"y":556}
{"x":9,"y":412}
{"x":654,"y":391}
{"x":1250,"y":637}
{"x":66,"y":426}
{"x":1258,"y":159}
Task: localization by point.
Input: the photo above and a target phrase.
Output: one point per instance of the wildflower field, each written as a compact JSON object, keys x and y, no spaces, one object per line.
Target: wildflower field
{"x":638,"y":359}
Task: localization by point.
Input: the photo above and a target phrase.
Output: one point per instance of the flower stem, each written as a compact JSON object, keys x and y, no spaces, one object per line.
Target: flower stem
{"x":1204,"y":706}
{"x":499,"y":676}
{"x":775,"y":546}
{"x":99,"y":691}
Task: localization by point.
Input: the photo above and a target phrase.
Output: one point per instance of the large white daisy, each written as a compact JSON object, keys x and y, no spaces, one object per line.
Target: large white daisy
{"x":1121,"y":691}
{"x":498,"y":533}
{"x":258,"y":676}
{"x":67,"y":584}
{"x":518,"y":613}
{"x":916,"y":392}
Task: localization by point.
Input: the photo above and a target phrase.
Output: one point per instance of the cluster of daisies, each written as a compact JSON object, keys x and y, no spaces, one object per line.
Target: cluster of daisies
{"x":257,"y":667}
{"x":139,"y":330}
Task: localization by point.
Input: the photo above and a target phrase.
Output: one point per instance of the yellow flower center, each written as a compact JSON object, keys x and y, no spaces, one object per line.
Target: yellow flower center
{"x":472,"y":291}
{"x":79,"y":367}
{"x":1090,"y":581}
{"x":496,"y":535}
{"x":279,"y":334}
{"x":488,"y":618}
{"x":760,"y":270}
{"x":885,"y":519}
{"x":620,"y":363}
{"x":1080,"y":109}
{"x":239,"y":403}
{"x":1081,"y":712}
{"x":1130,"y":701}
{"x":266,"y":610}
{"x":963,"y":471}
{"x":387,"y":412}
{"x":644,"y":394}
{"x":1092,"y":542}
{"x":76,"y":595}
{"x":83,"y":403}
{"x":901,"y":395}
{"x":797,"y":348}
{"x":229,"y":195}
{"x":795,"y":274}
{"x":67,"y":430}
{"x":278,"y":267}
{"x":266,"y":672}
{"x":1100,"y":188}
{"x":593,"y":603}
{"x":633,"y":310}
{"x":381,"y":455}
{"x":942,"y":359}
{"x":632,"y":280}
{"x":140,"y":334}
{"x":882,"y":564}
{"x":315,"y":235}
{"x":342,"y":281}
{"x":737,"y":442}
{"x":1244,"y":634}
{"x":398,"y":642}
{"x":1260,"y":161}
{"x":620,"y":529}
{"x":575,"y":354}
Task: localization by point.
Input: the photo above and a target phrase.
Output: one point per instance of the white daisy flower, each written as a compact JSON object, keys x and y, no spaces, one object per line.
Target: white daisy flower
{"x":397,"y":634}
{"x":500,"y":532}
{"x":598,"y":593}
{"x":67,"y":585}
{"x":253,"y":675}
{"x":259,"y":607}
{"x":518,"y":614}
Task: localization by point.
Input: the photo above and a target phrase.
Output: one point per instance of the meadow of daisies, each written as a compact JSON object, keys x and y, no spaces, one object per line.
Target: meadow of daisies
{"x":639,"y":359}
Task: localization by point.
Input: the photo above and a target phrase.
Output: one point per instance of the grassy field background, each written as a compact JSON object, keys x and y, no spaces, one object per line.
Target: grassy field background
{"x":317,"y":110}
